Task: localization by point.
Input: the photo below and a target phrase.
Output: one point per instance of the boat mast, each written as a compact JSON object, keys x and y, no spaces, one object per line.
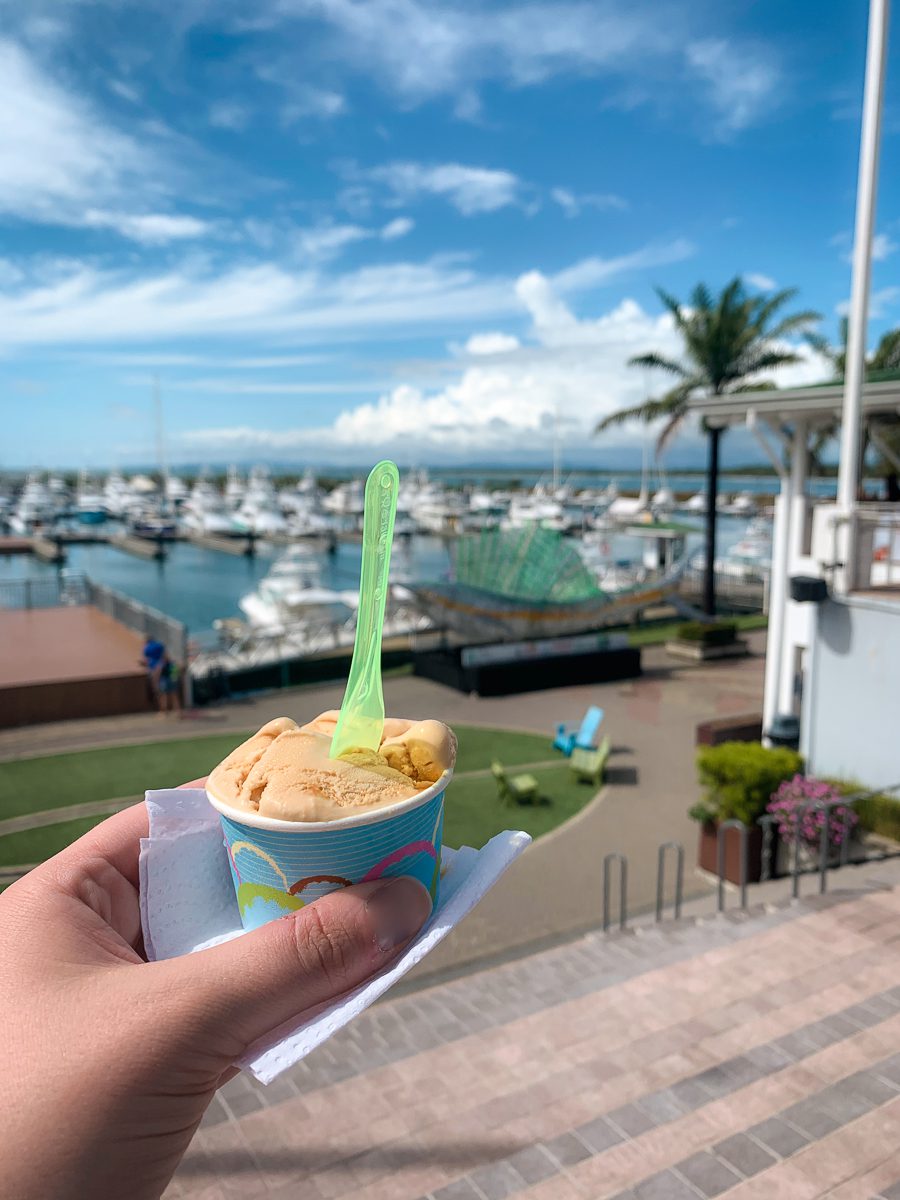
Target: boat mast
{"x":160,"y":445}
{"x":556,"y":448}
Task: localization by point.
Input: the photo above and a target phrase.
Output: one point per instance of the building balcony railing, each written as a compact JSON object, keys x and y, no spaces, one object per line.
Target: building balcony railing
{"x":876,"y":542}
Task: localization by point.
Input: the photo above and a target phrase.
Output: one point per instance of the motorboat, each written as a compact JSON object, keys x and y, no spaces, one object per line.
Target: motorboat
{"x":175,"y":490}
{"x":741,"y":505}
{"x":260,"y":510}
{"x":346,"y":500}
{"x":117,"y":495}
{"x":696,"y":504}
{"x":205,"y":511}
{"x":234,"y":488}
{"x":34,"y":508}
{"x":292,"y":592}
{"x":90,"y":502}
{"x":537,"y":507}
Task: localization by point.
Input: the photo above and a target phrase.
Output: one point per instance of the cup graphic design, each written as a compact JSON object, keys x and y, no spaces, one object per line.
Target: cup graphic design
{"x":280,"y":866}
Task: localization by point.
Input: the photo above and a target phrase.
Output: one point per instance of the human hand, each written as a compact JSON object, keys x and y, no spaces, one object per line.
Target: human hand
{"x":110,"y":1061}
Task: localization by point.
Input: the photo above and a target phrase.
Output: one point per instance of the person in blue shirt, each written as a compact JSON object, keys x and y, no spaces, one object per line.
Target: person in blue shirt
{"x":154,"y":658}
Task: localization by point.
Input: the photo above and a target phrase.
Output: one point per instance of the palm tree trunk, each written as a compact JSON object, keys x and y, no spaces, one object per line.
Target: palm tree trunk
{"x":712,"y":491}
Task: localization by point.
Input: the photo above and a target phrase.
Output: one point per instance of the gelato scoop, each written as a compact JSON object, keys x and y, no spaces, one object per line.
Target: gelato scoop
{"x":285,"y":771}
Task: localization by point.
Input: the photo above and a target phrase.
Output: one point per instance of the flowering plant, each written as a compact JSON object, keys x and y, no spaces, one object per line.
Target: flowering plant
{"x":801,"y":793}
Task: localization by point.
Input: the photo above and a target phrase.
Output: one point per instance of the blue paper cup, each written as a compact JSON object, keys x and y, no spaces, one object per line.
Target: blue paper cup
{"x":280,"y":866}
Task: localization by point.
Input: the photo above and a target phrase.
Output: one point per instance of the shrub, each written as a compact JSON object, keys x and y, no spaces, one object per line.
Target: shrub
{"x":740,"y":778}
{"x":789,"y":801}
{"x":717,"y":633}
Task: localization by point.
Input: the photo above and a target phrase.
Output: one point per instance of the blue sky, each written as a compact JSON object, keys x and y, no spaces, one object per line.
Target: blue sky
{"x":336,"y":228}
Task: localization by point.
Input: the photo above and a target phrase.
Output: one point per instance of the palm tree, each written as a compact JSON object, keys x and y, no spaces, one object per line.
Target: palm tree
{"x":729,"y":341}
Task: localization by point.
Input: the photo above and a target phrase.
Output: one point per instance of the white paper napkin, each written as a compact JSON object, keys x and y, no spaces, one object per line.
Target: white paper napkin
{"x":188,"y":903}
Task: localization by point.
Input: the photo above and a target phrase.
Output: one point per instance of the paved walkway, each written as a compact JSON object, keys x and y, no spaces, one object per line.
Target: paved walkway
{"x":710,"y":688}
{"x":752,"y":1057}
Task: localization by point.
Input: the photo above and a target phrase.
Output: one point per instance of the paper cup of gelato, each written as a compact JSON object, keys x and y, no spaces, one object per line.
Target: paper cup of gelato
{"x":298,"y":824}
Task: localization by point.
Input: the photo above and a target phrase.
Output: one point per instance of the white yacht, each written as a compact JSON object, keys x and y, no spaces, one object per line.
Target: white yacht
{"x":90,"y":502}
{"x":539,"y":507}
{"x":696,"y":504}
{"x":205,"y":511}
{"x":662,"y":502}
{"x":292,"y":593}
{"x":260,"y":510}
{"x":741,"y":505}
{"x":176,"y":490}
{"x":117,"y":495}
{"x":235,"y":488}
{"x":346,"y":500}
{"x":35,"y":507}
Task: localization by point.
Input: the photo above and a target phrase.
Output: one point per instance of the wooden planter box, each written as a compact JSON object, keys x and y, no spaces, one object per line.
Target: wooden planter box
{"x":698,"y":652}
{"x":707,"y":852}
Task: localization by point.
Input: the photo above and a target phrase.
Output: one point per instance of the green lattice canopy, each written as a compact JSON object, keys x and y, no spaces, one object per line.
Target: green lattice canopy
{"x":532,"y":563}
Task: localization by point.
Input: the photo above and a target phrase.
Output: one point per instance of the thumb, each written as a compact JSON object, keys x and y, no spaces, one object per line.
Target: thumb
{"x":247,"y":987}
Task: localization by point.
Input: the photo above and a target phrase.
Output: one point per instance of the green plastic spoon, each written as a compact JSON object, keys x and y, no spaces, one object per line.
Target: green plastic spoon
{"x":361,"y":721}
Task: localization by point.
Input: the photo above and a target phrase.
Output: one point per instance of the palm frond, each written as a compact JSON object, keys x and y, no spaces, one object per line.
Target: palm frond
{"x":669,"y":430}
{"x":659,"y":362}
{"x":796,"y":322}
{"x":650,"y":410}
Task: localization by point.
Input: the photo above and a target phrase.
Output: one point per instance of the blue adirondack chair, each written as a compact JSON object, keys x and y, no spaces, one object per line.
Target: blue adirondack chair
{"x":584,"y":737}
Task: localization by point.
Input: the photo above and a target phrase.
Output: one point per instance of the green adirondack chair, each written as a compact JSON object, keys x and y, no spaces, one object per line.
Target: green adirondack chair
{"x":515,"y":789}
{"x":590,"y":765}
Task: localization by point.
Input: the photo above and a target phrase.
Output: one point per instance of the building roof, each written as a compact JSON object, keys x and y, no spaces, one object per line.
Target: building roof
{"x":815,"y":404}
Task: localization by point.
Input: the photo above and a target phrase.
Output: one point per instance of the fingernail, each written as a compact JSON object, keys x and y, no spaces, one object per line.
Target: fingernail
{"x":399,"y":909}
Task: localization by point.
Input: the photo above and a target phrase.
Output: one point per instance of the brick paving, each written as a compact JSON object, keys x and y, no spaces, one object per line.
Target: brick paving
{"x":743,"y":1056}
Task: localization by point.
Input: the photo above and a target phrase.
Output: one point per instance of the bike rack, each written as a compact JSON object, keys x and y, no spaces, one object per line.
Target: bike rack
{"x":720,"y":860}
{"x":623,"y":888}
{"x":661,"y":877}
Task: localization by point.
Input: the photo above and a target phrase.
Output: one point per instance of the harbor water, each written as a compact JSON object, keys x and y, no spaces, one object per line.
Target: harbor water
{"x":198,"y":586}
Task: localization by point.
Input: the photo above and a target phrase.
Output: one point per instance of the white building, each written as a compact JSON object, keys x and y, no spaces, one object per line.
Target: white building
{"x":833,"y":653}
{"x":835,"y":662}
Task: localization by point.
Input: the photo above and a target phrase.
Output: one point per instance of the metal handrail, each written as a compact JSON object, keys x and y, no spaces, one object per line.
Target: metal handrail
{"x":615,"y":856}
{"x":767,"y":822}
{"x":734,"y":823}
{"x":661,"y":875}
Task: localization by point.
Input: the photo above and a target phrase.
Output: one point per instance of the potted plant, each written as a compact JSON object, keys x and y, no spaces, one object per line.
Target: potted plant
{"x":706,"y":639}
{"x":791,"y":805}
{"x":739,"y":779}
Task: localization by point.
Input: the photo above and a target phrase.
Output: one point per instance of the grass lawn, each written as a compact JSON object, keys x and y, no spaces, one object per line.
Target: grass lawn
{"x":474,"y":812}
{"x":34,"y":845}
{"x":36,"y":784}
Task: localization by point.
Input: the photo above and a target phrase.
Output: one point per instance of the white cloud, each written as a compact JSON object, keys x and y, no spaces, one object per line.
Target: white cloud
{"x":397,"y":228}
{"x":469,"y":189}
{"x":250,"y":387}
{"x":594,"y":271}
{"x":742,"y":83}
{"x":228,"y":115}
{"x":573,"y":204}
{"x":765,"y":283}
{"x":68,"y":303}
{"x":63,"y":164}
{"x":882,"y":247}
{"x":313,"y":102}
{"x":491,"y":343}
{"x":880,"y":302}
{"x":326,"y":240}
{"x":420,"y":50}
{"x":150,"y":228}
{"x":571,"y":369}
{"x":125,"y":91}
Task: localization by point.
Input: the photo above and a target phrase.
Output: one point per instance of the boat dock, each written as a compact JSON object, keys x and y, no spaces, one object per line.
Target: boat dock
{"x":141,"y":547}
{"x":240,"y":547}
